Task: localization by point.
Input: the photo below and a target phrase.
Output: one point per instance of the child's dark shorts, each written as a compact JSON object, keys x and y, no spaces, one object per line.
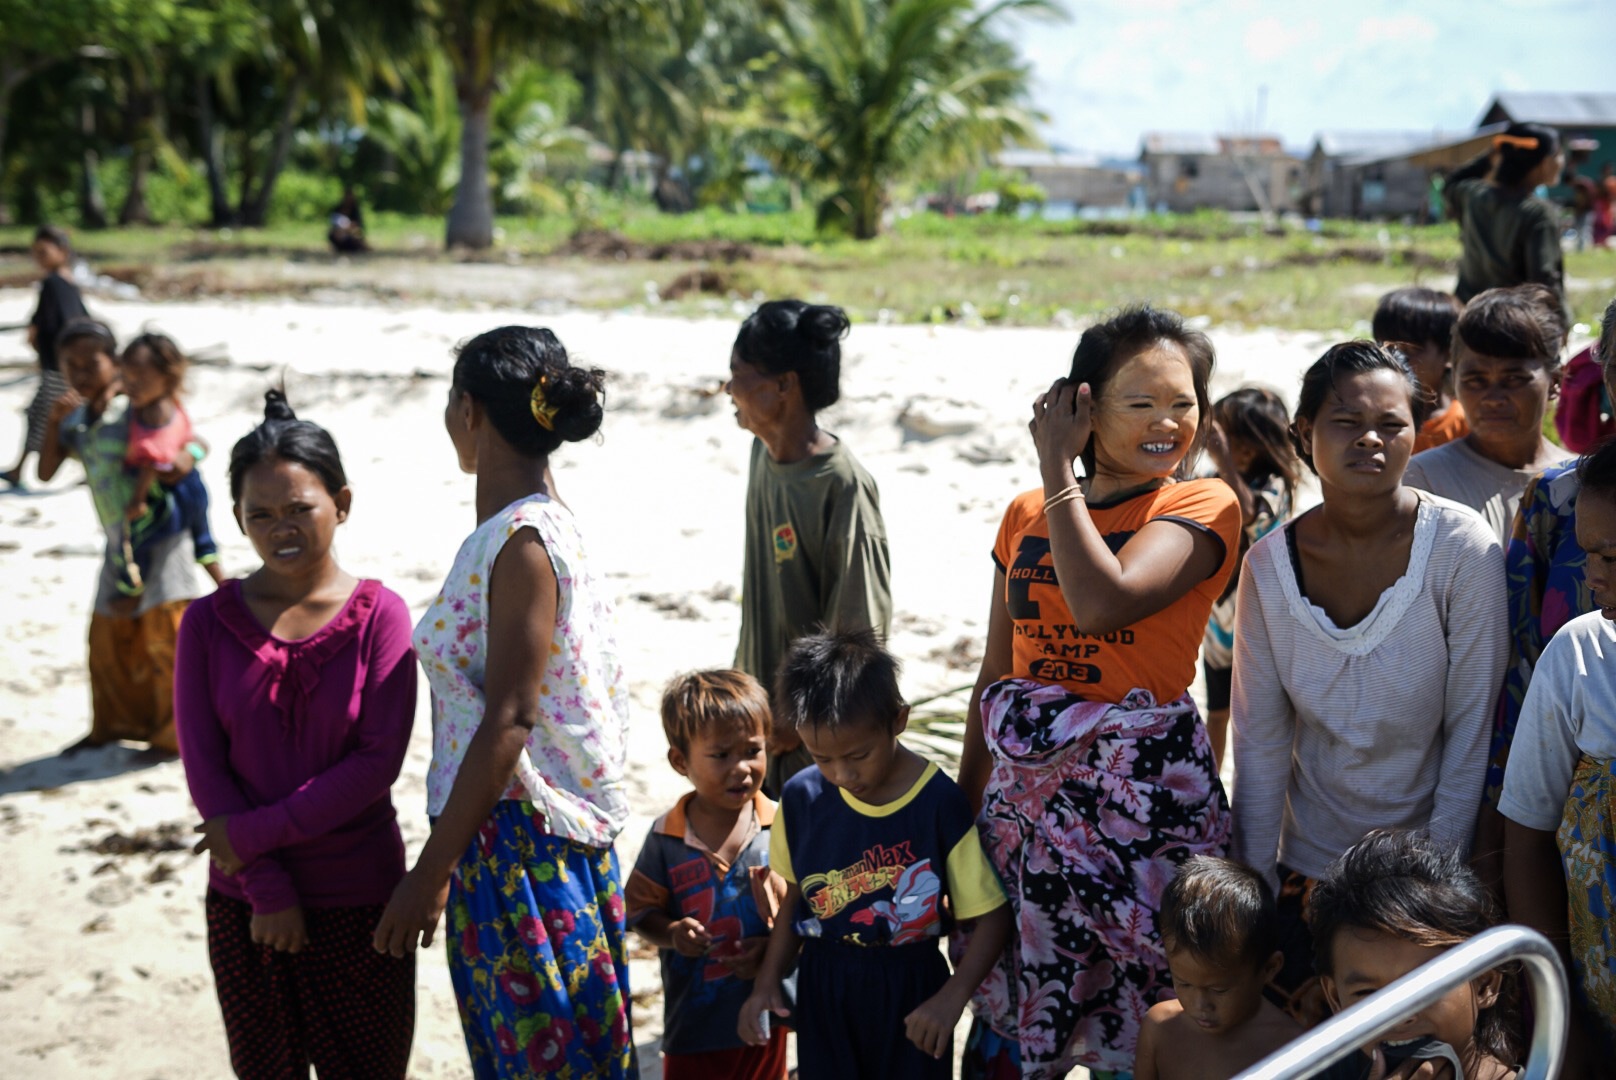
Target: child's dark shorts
{"x":851,"y":1004}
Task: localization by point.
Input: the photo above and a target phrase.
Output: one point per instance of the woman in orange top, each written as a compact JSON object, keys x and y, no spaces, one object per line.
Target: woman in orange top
{"x":1092,"y":768}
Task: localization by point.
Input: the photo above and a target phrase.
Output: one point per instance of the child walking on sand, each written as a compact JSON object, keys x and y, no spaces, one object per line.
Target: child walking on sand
{"x":1221,"y":932}
{"x":1250,"y":445}
{"x":294,"y":700}
{"x":153,"y":371}
{"x":702,"y":891}
{"x":879,"y":851}
{"x":1392,"y":903}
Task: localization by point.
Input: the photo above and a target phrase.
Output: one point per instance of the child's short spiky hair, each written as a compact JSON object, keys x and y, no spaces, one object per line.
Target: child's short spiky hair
{"x":702,"y":702}
{"x":1221,"y":911}
{"x":833,"y":678}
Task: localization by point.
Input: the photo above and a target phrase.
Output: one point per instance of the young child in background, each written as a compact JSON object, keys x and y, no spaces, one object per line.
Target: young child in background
{"x":880,"y":851}
{"x":1221,"y":932}
{"x":702,"y":891}
{"x":1393,"y":902}
{"x":152,"y":369}
{"x":1422,"y":321}
{"x":1559,"y":794}
{"x":1251,"y":448}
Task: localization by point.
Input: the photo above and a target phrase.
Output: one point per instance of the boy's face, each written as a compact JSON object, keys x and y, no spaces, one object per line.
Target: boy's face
{"x":1596,"y":534}
{"x":88,"y":370}
{"x":856,"y":757}
{"x":1366,"y":960}
{"x":1430,"y":364}
{"x":1219,"y":997}
{"x":1505,"y":398}
{"x":725,"y":767}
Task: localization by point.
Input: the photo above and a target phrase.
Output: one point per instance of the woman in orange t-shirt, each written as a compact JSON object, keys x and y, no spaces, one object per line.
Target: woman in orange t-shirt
{"x":1090,"y":763}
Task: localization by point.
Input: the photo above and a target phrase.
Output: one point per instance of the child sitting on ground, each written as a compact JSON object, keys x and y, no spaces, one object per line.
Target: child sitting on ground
{"x":1392,"y":903}
{"x":702,"y":891}
{"x":1221,"y":933}
{"x":1422,"y":321}
{"x":1559,"y":794}
{"x":881,"y":854}
{"x":152,"y":370}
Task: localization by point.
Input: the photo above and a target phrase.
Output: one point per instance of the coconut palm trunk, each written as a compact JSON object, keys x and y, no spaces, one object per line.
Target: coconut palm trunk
{"x":471,"y":218}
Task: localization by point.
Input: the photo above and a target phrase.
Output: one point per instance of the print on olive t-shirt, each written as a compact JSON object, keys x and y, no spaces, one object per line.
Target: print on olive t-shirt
{"x":1157,"y":653}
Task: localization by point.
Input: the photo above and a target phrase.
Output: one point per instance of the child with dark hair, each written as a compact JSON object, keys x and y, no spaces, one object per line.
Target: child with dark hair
{"x":1507,"y":234}
{"x":702,"y":891}
{"x":1367,"y":652}
{"x":1420,"y":322}
{"x":294,"y":699}
{"x":1506,"y":368}
{"x":132,"y":632}
{"x":152,"y":369}
{"x":59,"y":304}
{"x":1391,"y":903}
{"x":1221,"y":933}
{"x":880,"y":854}
{"x":1250,"y":446}
{"x":529,"y":737}
{"x":816,"y":545}
{"x":1559,"y":794}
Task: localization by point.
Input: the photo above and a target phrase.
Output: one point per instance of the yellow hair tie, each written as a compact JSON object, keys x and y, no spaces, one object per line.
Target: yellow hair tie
{"x":543,"y":411}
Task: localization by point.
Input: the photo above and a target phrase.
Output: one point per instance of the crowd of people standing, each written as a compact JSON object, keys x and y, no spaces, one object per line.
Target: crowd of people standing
{"x":1414,"y":679}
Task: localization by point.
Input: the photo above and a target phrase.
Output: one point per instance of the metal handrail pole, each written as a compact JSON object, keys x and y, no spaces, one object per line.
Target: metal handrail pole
{"x":1381,"y":1012}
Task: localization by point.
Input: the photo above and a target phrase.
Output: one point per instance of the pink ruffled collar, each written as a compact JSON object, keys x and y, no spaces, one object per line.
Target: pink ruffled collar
{"x":295,"y":664}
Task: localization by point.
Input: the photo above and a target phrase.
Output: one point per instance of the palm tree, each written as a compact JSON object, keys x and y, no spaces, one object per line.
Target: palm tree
{"x":873,"y":89}
{"x":483,"y":39}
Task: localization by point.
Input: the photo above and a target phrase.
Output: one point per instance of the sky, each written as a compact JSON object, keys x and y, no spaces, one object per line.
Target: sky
{"x":1113,"y":69}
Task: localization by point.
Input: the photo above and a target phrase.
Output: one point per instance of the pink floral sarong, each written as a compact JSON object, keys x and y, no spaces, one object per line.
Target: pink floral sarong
{"x":1090,"y":809}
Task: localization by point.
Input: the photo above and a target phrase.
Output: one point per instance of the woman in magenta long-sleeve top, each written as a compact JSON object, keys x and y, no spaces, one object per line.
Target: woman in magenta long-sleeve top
{"x":294,"y":696}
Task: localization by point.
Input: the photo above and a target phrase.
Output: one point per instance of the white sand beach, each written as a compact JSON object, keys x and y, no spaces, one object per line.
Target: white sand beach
{"x":103,"y":966}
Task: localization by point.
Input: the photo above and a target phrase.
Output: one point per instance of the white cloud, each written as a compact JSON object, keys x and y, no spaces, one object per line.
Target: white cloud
{"x":1269,"y":39}
{"x":1396,"y":29}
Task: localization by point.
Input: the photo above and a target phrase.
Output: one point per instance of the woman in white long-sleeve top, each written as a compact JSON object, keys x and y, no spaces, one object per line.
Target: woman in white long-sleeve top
{"x":1371,"y":635}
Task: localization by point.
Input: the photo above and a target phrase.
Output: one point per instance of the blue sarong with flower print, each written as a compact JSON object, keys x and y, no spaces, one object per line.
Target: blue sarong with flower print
{"x":536,"y":954}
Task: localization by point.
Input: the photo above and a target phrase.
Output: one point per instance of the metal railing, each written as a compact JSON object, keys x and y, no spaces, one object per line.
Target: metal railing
{"x":1380,"y":1013}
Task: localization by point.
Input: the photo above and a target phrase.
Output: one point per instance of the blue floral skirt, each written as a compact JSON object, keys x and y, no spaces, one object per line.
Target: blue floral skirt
{"x":536,"y":954}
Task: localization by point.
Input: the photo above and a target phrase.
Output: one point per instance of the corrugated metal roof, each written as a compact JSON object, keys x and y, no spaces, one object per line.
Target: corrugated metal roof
{"x":1373,"y":144}
{"x":1179,"y":142}
{"x":1556,"y":110}
{"x":1021,"y":158}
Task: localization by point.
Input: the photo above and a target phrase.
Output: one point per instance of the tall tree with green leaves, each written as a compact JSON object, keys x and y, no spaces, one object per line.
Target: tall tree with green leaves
{"x":871,"y":90}
{"x":484,"y":39}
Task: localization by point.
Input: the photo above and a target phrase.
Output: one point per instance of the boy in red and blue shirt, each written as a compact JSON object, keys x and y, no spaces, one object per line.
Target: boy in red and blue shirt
{"x":702,"y":890}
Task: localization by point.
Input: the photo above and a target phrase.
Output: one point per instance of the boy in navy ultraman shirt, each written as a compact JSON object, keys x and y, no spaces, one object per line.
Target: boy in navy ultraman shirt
{"x":880,"y":851}
{"x":702,"y":891}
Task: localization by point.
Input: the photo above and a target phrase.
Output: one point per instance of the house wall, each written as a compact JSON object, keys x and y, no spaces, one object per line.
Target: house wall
{"x":1185,"y":182}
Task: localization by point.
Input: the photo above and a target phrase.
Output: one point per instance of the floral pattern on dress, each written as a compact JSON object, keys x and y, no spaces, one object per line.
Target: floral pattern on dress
{"x":1089,"y":810}
{"x":1546,"y":590}
{"x":1587,"y":842}
{"x":536,"y":954}
{"x":572,"y":766}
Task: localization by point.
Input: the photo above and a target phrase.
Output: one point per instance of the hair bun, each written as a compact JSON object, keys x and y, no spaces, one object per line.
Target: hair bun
{"x":579,"y":397}
{"x":276,"y":406}
{"x":823,"y":324}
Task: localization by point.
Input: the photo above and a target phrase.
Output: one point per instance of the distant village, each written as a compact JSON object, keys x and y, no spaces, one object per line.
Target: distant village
{"x":1371,"y":175}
